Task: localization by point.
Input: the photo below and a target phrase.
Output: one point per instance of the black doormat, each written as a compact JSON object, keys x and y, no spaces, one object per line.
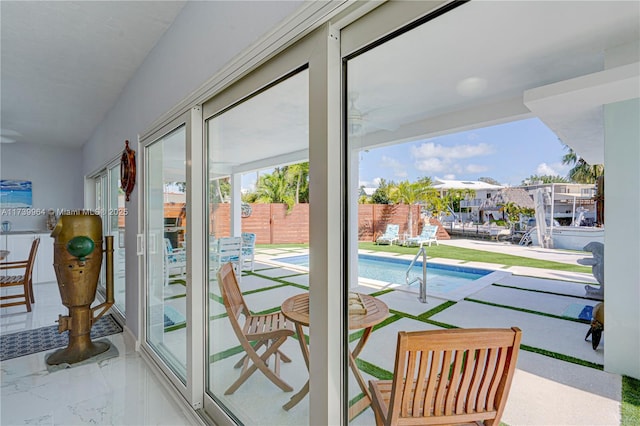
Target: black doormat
{"x":42,"y":339}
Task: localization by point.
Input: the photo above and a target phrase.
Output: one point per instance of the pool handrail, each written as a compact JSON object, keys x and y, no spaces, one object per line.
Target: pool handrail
{"x":423,"y":281}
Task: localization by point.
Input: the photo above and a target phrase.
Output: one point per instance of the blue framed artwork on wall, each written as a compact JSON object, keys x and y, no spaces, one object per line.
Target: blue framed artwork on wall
{"x":15,"y":193}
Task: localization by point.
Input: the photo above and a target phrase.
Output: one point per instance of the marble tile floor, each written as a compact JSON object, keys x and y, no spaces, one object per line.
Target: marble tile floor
{"x":116,"y":391}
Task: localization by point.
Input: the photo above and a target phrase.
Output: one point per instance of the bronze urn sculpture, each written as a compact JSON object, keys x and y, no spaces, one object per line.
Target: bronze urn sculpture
{"x":77,"y":259}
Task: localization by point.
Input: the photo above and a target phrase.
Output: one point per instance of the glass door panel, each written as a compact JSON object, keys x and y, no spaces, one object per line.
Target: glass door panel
{"x":109,"y":205}
{"x":258,"y":195}
{"x":165,"y":181}
{"x":115,"y":216}
{"x":101,"y":205}
{"x":442,"y":136}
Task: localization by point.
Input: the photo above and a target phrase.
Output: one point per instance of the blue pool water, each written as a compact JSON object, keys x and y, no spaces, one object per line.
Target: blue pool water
{"x":440,"y":278}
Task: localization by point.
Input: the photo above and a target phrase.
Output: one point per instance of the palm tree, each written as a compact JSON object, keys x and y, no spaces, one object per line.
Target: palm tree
{"x":219,"y":190}
{"x":410,"y":193}
{"x":582,"y":172}
{"x":512,"y":212}
{"x":298,"y":174}
{"x":544,"y":179}
{"x":455,"y":196}
{"x":273,"y":188}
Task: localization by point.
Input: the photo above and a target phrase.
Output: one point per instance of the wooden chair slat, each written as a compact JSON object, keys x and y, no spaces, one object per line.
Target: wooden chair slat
{"x":487,"y":378}
{"x":463,"y":390}
{"x":419,"y":403}
{"x":452,"y":392}
{"x":495,"y":382}
{"x":432,"y":384}
{"x":442,"y":385}
{"x":478,"y":366}
{"x":408,"y":384}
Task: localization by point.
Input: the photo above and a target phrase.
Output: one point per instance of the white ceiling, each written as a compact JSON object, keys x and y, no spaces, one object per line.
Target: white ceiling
{"x":468,"y":68}
{"x":472,"y":66}
{"x":64,"y":64}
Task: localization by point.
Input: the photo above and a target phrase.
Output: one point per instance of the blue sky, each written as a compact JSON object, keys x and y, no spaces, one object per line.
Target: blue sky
{"x":508,"y":153}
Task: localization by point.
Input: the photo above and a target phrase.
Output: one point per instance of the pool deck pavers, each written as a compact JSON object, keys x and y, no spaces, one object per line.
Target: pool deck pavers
{"x":546,"y":390}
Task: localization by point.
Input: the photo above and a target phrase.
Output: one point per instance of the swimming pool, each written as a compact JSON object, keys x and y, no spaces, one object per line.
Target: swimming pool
{"x":451,"y":282}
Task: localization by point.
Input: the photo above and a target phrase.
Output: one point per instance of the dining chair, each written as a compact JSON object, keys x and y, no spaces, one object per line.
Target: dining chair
{"x":175,"y":259}
{"x":24,"y":280}
{"x":257,"y":331}
{"x":448,"y":377}
{"x":248,"y":250}
{"x":226,"y":249}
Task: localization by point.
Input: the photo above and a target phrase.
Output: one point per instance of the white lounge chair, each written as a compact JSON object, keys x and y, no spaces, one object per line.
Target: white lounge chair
{"x":390,"y":235}
{"x":427,"y":236}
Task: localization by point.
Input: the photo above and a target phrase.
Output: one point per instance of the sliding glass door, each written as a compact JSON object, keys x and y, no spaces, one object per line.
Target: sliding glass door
{"x":166,"y":257}
{"x":257,"y":165}
{"x":451,"y":112}
{"x":110,"y":206}
{"x":115,"y":217}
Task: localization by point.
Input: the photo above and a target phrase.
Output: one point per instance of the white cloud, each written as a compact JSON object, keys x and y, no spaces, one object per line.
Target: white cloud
{"x":476,"y":168}
{"x":399,"y":169}
{"x":449,"y":176}
{"x":473,"y":136}
{"x":375,"y":183}
{"x":431,"y":165}
{"x":430,"y":149}
{"x":434,"y":158}
{"x":556,"y":169}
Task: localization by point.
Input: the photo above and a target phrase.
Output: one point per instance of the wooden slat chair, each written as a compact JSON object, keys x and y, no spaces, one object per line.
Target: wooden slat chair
{"x":448,"y":377}
{"x":24,"y":280}
{"x":269,"y":331}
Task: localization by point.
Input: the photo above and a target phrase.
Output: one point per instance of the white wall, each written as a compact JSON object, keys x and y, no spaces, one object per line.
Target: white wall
{"x":56,"y":176}
{"x":202,"y":39}
{"x":622,"y":238}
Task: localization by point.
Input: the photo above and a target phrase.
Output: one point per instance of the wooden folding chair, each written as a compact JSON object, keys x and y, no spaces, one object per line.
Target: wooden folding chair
{"x":448,"y":377}
{"x":268,"y":331}
{"x":23,"y":280}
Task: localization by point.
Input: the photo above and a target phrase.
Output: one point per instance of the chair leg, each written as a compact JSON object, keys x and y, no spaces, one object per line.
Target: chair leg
{"x":27,"y":297}
{"x":258,"y":345}
{"x":33,"y":300}
{"x":283,"y":356}
{"x":245,"y":358}
{"x":259,"y":363}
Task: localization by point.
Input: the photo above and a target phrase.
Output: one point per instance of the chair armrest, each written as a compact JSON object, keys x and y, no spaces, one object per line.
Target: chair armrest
{"x":378,"y":403}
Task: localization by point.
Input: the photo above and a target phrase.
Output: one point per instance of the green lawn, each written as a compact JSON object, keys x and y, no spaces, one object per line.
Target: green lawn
{"x":630,"y":401}
{"x":459,"y":253}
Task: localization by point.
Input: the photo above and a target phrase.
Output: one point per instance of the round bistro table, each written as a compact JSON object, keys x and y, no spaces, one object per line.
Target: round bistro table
{"x":296,"y":309}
